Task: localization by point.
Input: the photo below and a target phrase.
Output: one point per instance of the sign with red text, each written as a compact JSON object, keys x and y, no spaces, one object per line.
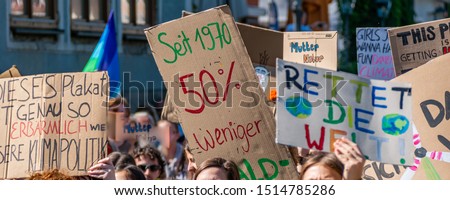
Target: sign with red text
{"x":431,"y":107}
{"x":52,"y":121}
{"x":414,"y":45}
{"x":211,"y":80}
{"x":318,"y":49}
{"x":374,"y":54}
{"x":316,"y":106}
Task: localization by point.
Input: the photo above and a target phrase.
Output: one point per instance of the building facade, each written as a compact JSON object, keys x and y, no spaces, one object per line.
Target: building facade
{"x":56,"y":36}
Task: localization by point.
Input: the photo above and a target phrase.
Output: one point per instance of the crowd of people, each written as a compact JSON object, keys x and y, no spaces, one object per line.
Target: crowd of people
{"x":169,"y":157}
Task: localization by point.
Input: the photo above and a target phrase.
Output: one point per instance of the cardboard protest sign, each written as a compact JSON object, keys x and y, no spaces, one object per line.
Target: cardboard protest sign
{"x":318,"y":49}
{"x":374,"y":54}
{"x":52,"y":121}
{"x":431,"y":101}
{"x":380,"y":171}
{"x":11,"y":72}
{"x":414,"y":45}
{"x":211,"y":80}
{"x":316,"y":106}
{"x":126,"y":133}
{"x":264,"y":46}
{"x":263,"y":54}
{"x":292,"y":46}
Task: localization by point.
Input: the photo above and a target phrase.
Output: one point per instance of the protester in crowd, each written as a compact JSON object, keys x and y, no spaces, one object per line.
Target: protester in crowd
{"x":120,"y":158}
{"x":172,"y":151}
{"x":217,"y":169}
{"x":129,"y":172}
{"x":149,"y":160}
{"x":347,"y":162}
{"x":118,"y":140}
{"x":145,"y":116}
{"x":191,"y":166}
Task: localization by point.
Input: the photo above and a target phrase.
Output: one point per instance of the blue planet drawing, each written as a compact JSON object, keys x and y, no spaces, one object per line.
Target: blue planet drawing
{"x":299,"y":107}
{"x":395,"y":124}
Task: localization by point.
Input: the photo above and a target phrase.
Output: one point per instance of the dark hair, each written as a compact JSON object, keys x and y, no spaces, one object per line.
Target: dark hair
{"x":132,"y":171}
{"x":229,"y":166}
{"x":323,"y":158}
{"x":153,"y":154}
{"x":120,"y":158}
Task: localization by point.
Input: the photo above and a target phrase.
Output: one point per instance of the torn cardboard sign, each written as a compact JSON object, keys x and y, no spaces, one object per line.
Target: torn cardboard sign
{"x":414,"y":45}
{"x":431,"y":101}
{"x":374,"y":54}
{"x":212,"y":82}
{"x":316,"y":106}
{"x":11,"y":72}
{"x":52,"y":121}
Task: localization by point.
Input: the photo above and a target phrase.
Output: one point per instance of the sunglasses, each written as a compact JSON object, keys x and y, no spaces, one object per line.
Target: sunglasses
{"x":152,"y":168}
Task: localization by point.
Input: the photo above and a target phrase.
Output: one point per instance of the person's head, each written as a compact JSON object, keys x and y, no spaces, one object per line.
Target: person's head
{"x":322,"y":166}
{"x":120,"y":105}
{"x":192,"y":167}
{"x":217,"y":169}
{"x":120,"y":158}
{"x":173,"y":132}
{"x":52,"y":174}
{"x":146,"y":116}
{"x":149,"y":160}
{"x":129,"y":172}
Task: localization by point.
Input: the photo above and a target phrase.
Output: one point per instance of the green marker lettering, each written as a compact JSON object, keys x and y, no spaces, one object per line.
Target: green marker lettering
{"x":360,"y":84}
{"x":334,"y":79}
{"x":330,"y":119}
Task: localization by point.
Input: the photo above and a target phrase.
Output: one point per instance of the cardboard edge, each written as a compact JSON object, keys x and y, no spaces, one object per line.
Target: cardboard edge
{"x":418,"y":24}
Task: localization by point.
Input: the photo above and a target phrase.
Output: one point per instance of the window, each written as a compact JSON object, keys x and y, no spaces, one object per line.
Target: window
{"x":33,"y":14}
{"x":89,"y":17}
{"x":137,"y":15}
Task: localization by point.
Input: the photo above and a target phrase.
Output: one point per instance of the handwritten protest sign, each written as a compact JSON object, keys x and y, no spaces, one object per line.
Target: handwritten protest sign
{"x":431,"y":101}
{"x":211,"y":79}
{"x":129,"y":131}
{"x":380,"y":171}
{"x":374,"y":54}
{"x":315,"y":107}
{"x":318,"y":49}
{"x":263,"y":54}
{"x":416,"y":44}
{"x":52,"y":121}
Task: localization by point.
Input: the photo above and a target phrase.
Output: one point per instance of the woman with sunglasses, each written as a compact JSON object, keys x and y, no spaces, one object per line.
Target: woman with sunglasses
{"x":149,"y":160}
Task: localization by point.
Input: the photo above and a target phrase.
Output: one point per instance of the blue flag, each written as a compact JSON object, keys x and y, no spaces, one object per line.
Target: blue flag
{"x":106,"y":58}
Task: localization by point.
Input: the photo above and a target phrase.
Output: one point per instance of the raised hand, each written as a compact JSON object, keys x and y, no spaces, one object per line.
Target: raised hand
{"x":350,"y":155}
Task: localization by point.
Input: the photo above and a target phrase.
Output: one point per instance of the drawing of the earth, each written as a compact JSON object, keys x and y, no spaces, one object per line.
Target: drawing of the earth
{"x":395,"y":124}
{"x":298,"y":107}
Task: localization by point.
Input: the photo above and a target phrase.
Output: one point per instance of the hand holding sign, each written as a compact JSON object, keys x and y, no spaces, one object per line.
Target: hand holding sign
{"x":315,"y":107}
{"x":350,"y":155}
{"x":104,"y":169}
